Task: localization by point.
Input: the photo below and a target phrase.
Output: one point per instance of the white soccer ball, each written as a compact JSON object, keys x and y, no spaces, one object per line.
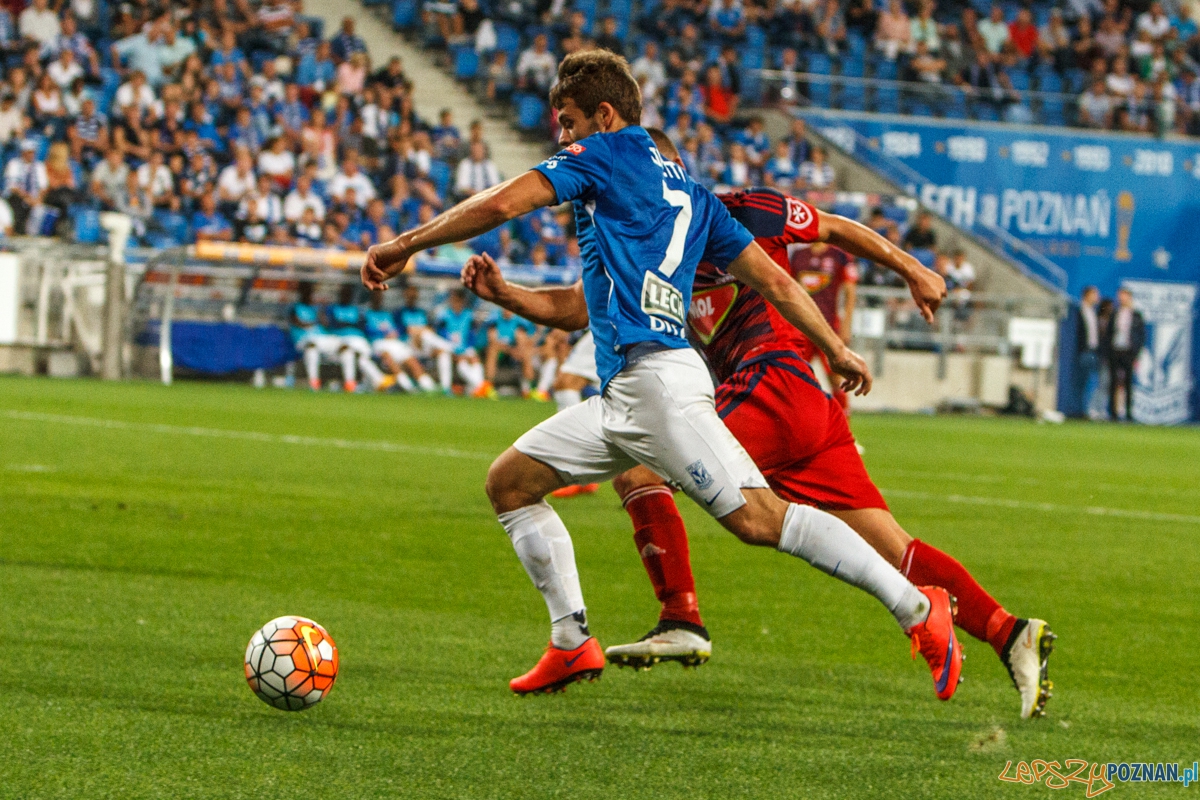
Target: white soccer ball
{"x":291,"y":663}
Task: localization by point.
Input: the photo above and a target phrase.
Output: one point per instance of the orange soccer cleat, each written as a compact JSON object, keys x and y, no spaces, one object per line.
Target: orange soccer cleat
{"x":936,"y":641}
{"x":576,"y":489}
{"x":557,"y":668}
{"x":486,"y":391}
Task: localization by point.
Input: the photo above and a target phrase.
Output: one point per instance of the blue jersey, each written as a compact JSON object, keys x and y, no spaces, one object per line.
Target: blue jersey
{"x":643,"y":227}
{"x":307,"y":319}
{"x":456,"y":327}
{"x":506,"y":329}
{"x":407,"y":317}
{"x":380,"y":325}
{"x":345,"y":320}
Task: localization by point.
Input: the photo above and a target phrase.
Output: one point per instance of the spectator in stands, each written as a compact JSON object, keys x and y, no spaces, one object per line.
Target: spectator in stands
{"x":893,"y":31}
{"x":208,"y":224}
{"x":727,"y":21}
{"x":1135,"y":113}
{"x":12,"y":119}
{"x":537,"y":67}
{"x":995,"y":32}
{"x":921,"y":236}
{"x":134,"y":201}
{"x":40,"y":23}
{"x":1054,"y":42}
{"x":780,"y":168}
{"x":108,"y":178}
{"x":649,"y":66}
{"x":720,"y":103}
{"x":154,"y":177}
{"x":927,"y":68}
{"x":350,"y":177}
{"x":475,"y":173}
{"x":797,"y":142}
{"x":236,"y":181}
{"x":608,"y":39}
{"x":501,"y":80}
{"x":1155,"y":22}
{"x":1096,"y":107}
{"x":346,"y":43}
{"x":925,"y":28}
{"x":816,"y":173}
{"x":984,"y":79}
{"x":512,"y":338}
{"x":738,"y":171}
{"x":1023,"y":35}
{"x":1126,"y":337}
{"x":757,"y":143}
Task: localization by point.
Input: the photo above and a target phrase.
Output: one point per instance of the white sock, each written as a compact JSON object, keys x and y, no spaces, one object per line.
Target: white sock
{"x":472,"y":374}
{"x":426,"y":383}
{"x":348,"y":357}
{"x":312,"y":363}
{"x":832,"y":546}
{"x":444,"y":365}
{"x":544,"y":547}
{"x":370,"y":371}
{"x":547,"y":375}
{"x":405,"y":382}
{"x":524,"y":386}
{"x":565,"y":398}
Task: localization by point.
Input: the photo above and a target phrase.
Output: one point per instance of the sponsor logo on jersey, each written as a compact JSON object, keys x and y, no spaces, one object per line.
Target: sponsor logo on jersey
{"x":575,"y":149}
{"x":814,"y":282}
{"x":709,"y":310}
{"x":800,"y":215}
{"x":700,"y":475}
{"x":661,"y":299}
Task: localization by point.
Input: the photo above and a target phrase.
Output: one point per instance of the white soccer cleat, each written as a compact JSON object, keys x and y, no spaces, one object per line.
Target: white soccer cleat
{"x":1026,"y":656}
{"x":670,"y":640}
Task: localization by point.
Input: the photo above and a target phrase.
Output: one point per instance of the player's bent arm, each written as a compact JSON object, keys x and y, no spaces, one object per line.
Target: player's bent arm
{"x":557,"y":307}
{"x":927,"y":287}
{"x":477,"y":215}
{"x":759,"y":271}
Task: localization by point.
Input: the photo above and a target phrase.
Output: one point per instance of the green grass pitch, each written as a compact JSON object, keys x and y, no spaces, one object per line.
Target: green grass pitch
{"x":139,"y":551}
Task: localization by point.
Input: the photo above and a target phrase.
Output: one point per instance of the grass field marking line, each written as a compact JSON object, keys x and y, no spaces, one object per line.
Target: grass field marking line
{"x":1026,"y":505}
{"x":967,"y":477}
{"x":252,"y":436}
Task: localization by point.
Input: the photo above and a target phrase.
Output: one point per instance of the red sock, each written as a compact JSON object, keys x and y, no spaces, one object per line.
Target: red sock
{"x":978,"y":613}
{"x":662,"y":543}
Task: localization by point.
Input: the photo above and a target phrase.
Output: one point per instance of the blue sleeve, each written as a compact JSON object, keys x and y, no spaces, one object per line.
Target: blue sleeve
{"x":727,"y":237}
{"x":579,"y":171}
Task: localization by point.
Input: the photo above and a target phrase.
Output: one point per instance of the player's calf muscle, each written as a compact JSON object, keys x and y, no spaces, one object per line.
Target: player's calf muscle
{"x":515,"y":480}
{"x":760,"y":521}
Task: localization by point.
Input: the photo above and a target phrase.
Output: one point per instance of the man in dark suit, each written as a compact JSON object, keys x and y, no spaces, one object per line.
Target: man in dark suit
{"x":1087,"y":349}
{"x":1126,"y":335}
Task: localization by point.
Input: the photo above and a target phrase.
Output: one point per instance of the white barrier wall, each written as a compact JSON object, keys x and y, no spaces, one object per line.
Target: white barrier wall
{"x":10,"y":296}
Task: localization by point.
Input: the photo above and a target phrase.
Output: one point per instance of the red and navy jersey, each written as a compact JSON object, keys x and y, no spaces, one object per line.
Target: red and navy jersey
{"x":732,"y":320}
{"x":823,"y":270}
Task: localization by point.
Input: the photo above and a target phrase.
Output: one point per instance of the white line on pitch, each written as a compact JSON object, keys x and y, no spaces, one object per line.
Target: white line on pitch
{"x":1027,"y":505}
{"x":251,"y":436}
{"x":396,"y":447}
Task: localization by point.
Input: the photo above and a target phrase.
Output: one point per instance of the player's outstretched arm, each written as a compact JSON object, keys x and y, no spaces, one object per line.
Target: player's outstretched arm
{"x":927,"y":287}
{"x":477,"y":215}
{"x":759,"y":271}
{"x":563,"y":308}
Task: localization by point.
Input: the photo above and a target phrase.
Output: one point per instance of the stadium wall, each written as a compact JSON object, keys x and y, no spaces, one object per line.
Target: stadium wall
{"x":1104,"y":209}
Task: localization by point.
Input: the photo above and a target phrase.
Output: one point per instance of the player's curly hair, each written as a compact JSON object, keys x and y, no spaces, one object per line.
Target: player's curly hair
{"x":593,"y":77}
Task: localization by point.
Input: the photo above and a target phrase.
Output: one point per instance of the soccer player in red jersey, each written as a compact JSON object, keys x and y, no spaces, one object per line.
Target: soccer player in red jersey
{"x":799,"y":437}
{"x":826,"y":272}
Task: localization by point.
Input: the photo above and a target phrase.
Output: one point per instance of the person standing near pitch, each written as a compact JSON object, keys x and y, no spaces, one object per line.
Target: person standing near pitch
{"x":644,"y":226}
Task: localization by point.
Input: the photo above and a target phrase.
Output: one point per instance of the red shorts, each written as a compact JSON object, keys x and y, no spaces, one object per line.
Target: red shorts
{"x":796,"y":434}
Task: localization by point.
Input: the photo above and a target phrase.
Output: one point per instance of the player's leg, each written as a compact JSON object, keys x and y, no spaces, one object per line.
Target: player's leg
{"x":577,"y":372}
{"x":491,"y":360}
{"x":691,"y":446}
{"x":390,"y":353}
{"x":567,"y":445}
{"x":442,"y":352}
{"x":362,"y":357}
{"x":522,"y":352}
{"x":662,"y":544}
{"x":312,"y":364}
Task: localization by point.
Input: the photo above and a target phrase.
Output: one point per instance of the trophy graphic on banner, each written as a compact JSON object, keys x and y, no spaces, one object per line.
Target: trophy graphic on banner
{"x":1125,"y":206}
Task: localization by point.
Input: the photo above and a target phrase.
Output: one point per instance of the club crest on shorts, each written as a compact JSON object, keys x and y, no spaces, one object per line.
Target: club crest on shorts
{"x":700,"y":475}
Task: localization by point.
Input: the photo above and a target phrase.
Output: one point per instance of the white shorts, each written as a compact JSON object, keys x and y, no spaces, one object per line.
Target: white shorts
{"x":358,"y":344}
{"x":660,"y":413}
{"x":325,"y":343}
{"x":431,"y":344}
{"x":582,"y":361}
{"x":398,"y":351}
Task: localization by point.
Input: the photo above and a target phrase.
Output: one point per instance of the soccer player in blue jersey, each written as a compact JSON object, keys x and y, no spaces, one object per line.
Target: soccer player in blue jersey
{"x":644,"y":226}
{"x":396,"y":355}
{"x":511,"y":336}
{"x":415,"y":328}
{"x":312,"y":339}
{"x":346,"y":320}
{"x":456,"y":324}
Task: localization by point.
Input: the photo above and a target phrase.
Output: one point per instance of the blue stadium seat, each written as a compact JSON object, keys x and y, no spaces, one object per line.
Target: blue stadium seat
{"x":853,"y":65}
{"x":986,"y":112}
{"x":856,"y":44}
{"x":404,"y":14}
{"x":531,"y":113}
{"x":853,"y":97}
{"x":887,"y":100}
{"x":850,"y":210}
{"x":466,"y":63}
{"x":820,"y":94}
{"x":1049,"y":81}
{"x":439,"y":173}
{"x":924,"y":255}
{"x":1052,"y":112}
{"x":896,"y":214}
{"x":956,"y":107}
{"x":87,"y":224}
{"x":1020,"y":79}
{"x":886,"y":70}
{"x":756,"y":37}
{"x":820,"y":63}
{"x":508,"y":38}
{"x":172,"y":224}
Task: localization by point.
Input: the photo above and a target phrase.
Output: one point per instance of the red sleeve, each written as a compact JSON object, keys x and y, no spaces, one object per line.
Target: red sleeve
{"x":803,"y":222}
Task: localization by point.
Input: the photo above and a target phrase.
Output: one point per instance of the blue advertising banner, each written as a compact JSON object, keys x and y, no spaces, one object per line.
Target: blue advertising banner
{"x":1103,"y":209}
